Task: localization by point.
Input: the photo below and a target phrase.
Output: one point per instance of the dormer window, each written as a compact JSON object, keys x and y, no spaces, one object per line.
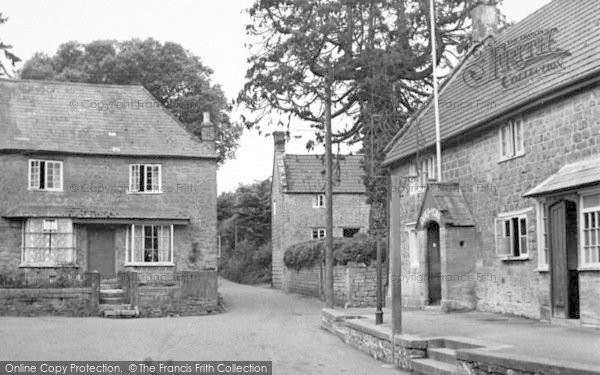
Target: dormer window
{"x":511,"y":140}
{"x":145,"y":178}
{"x":45,"y":175}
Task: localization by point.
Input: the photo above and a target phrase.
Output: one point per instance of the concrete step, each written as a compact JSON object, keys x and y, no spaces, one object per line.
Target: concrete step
{"x":445,"y":355}
{"x":120,"y":314}
{"x":427,"y":366}
{"x":109,"y":306}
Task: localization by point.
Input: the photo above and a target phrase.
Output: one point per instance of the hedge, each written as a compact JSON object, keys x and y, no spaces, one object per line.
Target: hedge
{"x":358,"y":249}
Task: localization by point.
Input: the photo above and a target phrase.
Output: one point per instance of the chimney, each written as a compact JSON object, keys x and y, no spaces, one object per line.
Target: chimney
{"x":484,"y":16}
{"x":279,"y":140}
{"x":207,"y":128}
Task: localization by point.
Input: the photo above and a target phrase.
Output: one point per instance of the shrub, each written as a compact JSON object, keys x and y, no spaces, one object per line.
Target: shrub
{"x":248,"y":264}
{"x":358,"y":249}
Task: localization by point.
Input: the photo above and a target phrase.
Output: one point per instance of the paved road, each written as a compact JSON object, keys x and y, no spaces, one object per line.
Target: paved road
{"x":260,"y":324}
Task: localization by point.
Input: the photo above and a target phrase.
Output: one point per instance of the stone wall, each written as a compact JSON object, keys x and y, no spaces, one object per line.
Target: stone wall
{"x":194,"y":294}
{"x":353,"y":285}
{"x":556,"y":134}
{"x":46,"y":301}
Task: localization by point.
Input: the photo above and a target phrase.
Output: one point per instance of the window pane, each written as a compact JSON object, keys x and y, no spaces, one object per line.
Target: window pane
{"x":592,"y":220}
{"x":42,"y":175}
{"x":34,"y":182}
{"x":134,"y":178}
{"x":591,"y":201}
{"x":586,"y":220}
{"x":523,"y":247}
{"x":523,"y":226}
{"x":506,"y":228}
{"x":142,"y":187}
{"x":518,"y":131}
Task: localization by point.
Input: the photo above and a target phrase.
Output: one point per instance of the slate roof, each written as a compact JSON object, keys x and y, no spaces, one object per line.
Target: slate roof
{"x":91,"y":119}
{"x":29,"y":211}
{"x":471,"y":96}
{"x":574,"y":175}
{"x":306,"y":174}
{"x":449,"y":200}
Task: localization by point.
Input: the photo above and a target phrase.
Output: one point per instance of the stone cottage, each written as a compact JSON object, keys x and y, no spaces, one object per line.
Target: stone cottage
{"x":513,"y":225}
{"x":298,"y":201}
{"x":102,"y":177}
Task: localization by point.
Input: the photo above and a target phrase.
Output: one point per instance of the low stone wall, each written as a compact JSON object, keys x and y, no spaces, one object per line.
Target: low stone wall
{"x":194,"y":294}
{"x":47,"y":301}
{"x":353,"y":285}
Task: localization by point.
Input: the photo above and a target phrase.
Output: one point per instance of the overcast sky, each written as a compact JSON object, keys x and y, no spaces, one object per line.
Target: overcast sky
{"x":213,"y":30}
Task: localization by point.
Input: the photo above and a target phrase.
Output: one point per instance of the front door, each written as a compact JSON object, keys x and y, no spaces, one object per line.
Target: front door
{"x":563,"y":254}
{"x":434,"y":264}
{"x":101,"y":253}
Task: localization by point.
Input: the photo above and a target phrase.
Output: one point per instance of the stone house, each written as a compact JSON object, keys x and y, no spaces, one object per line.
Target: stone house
{"x":514,"y":224}
{"x":298,"y":201}
{"x":102,"y":177}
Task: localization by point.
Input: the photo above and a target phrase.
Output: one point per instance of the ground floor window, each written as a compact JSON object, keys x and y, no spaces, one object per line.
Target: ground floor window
{"x":511,"y":236}
{"x":150,"y":244}
{"x":318,"y":233}
{"x":350,"y":232}
{"x":48,"y":242}
{"x":591,"y":230}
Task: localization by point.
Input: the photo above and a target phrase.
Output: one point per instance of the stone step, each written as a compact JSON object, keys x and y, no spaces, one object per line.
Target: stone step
{"x":109,"y":306}
{"x":109,"y":286}
{"x":113,"y":300}
{"x":112,"y":292}
{"x":445,"y":355}
{"x":427,"y":366}
{"x":129,"y":313}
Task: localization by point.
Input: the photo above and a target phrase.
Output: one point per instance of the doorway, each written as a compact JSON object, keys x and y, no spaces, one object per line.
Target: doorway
{"x":434,"y":268}
{"x":563,"y":254}
{"x":101,"y":250}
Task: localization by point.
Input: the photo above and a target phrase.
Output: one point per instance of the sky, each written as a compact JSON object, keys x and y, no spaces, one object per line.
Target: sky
{"x":213,"y":30}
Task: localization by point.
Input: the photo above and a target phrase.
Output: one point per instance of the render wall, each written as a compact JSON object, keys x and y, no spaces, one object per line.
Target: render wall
{"x":556,"y":134}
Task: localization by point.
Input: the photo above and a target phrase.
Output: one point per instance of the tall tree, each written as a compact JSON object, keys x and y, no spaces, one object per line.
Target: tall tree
{"x":8,"y":55}
{"x":174,"y":76}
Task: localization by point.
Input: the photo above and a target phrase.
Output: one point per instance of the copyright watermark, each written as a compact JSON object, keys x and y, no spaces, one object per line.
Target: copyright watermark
{"x":93,"y":188}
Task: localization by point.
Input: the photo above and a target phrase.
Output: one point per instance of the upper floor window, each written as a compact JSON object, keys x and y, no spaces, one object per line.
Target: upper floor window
{"x":420,"y":173}
{"x":318,"y":233}
{"x":319,"y":200}
{"x":590,"y":230}
{"x":511,"y":139}
{"x":511,"y":236}
{"x":145,"y":178}
{"x":45,"y":175}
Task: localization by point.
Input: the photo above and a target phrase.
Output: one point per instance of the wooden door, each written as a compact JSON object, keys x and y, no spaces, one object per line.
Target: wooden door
{"x":558,"y":256}
{"x":434,"y":264}
{"x":101,"y":251}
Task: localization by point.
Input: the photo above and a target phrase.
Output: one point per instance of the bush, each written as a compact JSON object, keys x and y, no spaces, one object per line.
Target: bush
{"x":248,"y":265}
{"x":359,"y":249}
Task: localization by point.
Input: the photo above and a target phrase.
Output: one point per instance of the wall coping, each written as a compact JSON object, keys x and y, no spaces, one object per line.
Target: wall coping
{"x":525,"y":363}
{"x":50,"y":290}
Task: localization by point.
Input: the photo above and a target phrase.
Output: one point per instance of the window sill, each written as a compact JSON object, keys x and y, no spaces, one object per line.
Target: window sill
{"x":48,"y":265}
{"x":46,"y":190}
{"x":512,"y":258}
{"x":507,"y":158}
{"x":589,"y":268}
{"x":542,"y":270}
{"x":150,"y":264}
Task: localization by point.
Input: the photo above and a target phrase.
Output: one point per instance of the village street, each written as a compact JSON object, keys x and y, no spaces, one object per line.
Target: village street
{"x":260,"y":324}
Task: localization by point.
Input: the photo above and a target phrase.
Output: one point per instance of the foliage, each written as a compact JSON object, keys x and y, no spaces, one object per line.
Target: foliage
{"x":374,"y":56}
{"x":5,"y":49}
{"x":244,"y":218}
{"x":175,"y":77}
{"x":358,"y":249}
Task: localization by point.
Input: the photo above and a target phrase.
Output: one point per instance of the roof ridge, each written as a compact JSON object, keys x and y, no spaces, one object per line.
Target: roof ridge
{"x":68,"y":83}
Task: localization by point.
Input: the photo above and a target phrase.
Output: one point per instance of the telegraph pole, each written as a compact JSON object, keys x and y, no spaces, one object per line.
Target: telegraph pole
{"x":329,"y":297}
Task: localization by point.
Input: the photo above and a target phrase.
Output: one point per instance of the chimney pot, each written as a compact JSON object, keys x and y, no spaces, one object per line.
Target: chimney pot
{"x":279,"y":138}
{"x":484,"y":16}
{"x":207,"y":128}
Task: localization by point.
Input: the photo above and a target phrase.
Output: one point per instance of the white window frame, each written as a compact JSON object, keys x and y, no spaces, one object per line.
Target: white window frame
{"x":319,"y":201}
{"x":425,"y":172}
{"x":583,"y":265}
{"x":49,"y":226}
{"x":134,"y":188}
{"x":130,"y":247}
{"x":514,"y":131}
{"x":321,"y":233}
{"x":543,"y":245}
{"x":509,"y":216}
{"x":46,"y":164}
{"x":413,"y":244}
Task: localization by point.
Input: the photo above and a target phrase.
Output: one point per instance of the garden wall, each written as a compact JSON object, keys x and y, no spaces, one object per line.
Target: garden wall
{"x":47,"y":301}
{"x":354,"y":284}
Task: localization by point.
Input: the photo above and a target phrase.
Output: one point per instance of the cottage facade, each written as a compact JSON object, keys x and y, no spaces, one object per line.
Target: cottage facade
{"x":298,"y":201}
{"x":512,"y":227}
{"x":102,"y":177}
